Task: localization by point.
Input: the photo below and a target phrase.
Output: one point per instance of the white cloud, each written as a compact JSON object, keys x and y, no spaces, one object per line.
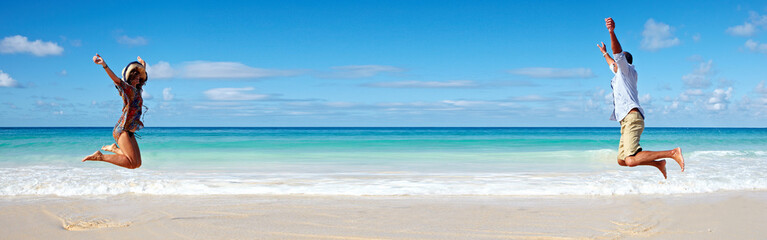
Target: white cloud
{"x":214,"y":70}
{"x":204,"y":69}
{"x":146,"y":96}
{"x":647,"y":103}
{"x":464,"y":103}
{"x":401,"y":104}
{"x":760,"y":88}
{"x":423,"y":84}
{"x":674,"y":105}
{"x":598,"y":99}
{"x":225,"y":106}
{"x":724,"y":82}
{"x":700,"y":77}
{"x":689,"y":94}
{"x":699,"y":101}
{"x":360,"y":71}
{"x":696,"y":37}
{"x":759,"y":20}
{"x":167,"y":95}
{"x":341,"y":104}
{"x":7,"y":81}
{"x":745,"y":30}
{"x":133,"y":41}
{"x":42,"y":103}
{"x":233,"y":94}
{"x":719,"y":99}
{"x":645,"y":99}
{"x":695,"y":58}
{"x":63,"y":72}
{"x":755,"y":46}
{"x":440,"y":106}
{"x":750,"y":27}
{"x":657,"y":35}
{"x":532,"y":98}
{"x":694,"y":92}
{"x":160,"y":70}
{"x":20,"y":44}
{"x":542,"y":72}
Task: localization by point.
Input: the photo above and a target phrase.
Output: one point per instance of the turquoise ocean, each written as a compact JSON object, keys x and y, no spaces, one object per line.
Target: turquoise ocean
{"x":379,"y":162}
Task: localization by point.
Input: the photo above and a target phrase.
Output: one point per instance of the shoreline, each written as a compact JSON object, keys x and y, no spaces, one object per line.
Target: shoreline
{"x":720,"y":215}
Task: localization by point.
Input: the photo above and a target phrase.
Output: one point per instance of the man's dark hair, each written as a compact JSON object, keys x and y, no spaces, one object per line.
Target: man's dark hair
{"x":629,"y":58}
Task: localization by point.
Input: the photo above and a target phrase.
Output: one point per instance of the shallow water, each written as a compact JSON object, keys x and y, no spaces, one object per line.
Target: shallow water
{"x":379,"y":161}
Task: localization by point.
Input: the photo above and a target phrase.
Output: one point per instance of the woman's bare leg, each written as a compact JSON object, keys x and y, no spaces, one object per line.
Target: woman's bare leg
{"x":130,"y":157}
{"x":112,"y":148}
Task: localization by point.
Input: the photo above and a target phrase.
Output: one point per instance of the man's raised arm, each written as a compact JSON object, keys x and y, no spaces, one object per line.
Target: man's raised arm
{"x":613,"y":39}
{"x":609,"y":59}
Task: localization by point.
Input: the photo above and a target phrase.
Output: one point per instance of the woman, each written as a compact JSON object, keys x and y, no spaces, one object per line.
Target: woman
{"x":127,"y":155}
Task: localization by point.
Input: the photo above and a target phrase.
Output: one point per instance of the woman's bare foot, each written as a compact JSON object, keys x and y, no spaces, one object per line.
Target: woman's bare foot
{"x":97,"y":156}
{"x":677,"y":156}
{"x":112,"y":148}
{"x":661,"y":165}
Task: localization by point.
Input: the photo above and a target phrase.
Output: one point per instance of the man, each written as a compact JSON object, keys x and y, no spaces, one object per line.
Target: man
{"x":627,"y":111}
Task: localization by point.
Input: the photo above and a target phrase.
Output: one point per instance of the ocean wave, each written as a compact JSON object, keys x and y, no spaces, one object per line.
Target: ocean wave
{"x":706,"y":171}
{"x":373,"y":161}
{"x":705,"y":154}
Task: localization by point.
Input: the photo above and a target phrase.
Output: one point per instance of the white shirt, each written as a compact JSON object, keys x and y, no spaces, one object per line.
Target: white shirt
{"x":624,"y":85}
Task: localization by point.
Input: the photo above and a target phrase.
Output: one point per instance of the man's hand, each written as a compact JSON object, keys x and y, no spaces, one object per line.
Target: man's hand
{"x":602,"y":48}
{"x":616,"y":46}
{"x":610,"y":24}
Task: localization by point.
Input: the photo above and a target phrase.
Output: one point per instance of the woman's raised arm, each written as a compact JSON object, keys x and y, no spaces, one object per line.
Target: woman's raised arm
{"x":100,"y":61}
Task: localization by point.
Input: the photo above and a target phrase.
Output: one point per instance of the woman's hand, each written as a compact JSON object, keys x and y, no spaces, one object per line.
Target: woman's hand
{"x":98,"y":60}
{"x":141,"y":61}
{"x":602,"y":48}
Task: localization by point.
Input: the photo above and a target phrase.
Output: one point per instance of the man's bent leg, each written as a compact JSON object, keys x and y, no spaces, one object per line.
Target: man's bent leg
{"x":649,"y":158}
{"x":645,"y":157}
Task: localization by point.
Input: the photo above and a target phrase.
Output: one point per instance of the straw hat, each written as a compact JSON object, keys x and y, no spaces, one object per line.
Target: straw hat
{"x":134,"y":66}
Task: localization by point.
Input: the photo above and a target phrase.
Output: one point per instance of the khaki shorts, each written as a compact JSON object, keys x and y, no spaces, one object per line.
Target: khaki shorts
{"x":631,"y":129}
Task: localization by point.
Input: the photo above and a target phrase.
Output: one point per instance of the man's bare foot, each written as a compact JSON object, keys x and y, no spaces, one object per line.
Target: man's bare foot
{"x":112,"y":148}
{"x":661,"y":165}
{"x":97,"y":156}
{"x":677,"y":156}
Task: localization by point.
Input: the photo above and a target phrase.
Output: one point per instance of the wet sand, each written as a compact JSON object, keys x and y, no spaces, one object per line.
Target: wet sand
{"x":727,"y":215}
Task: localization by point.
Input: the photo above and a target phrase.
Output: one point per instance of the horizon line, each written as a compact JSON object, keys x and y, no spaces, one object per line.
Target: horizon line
{"x":359,"y":127}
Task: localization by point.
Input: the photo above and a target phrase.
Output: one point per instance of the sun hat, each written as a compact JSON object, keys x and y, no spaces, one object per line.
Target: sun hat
{"x":134,"y":66}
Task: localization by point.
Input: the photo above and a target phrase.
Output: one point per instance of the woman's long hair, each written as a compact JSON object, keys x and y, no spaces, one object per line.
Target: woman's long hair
{"x":140,"y":86}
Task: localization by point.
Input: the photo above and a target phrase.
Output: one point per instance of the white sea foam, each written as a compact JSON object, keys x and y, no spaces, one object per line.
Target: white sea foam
{"x":707,"y":171}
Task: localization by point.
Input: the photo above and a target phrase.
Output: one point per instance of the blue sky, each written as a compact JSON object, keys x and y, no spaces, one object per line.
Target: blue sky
{"x":382,"y":63}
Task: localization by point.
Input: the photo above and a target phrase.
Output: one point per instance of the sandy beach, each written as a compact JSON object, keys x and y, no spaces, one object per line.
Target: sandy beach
{"x":728,"y":215}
